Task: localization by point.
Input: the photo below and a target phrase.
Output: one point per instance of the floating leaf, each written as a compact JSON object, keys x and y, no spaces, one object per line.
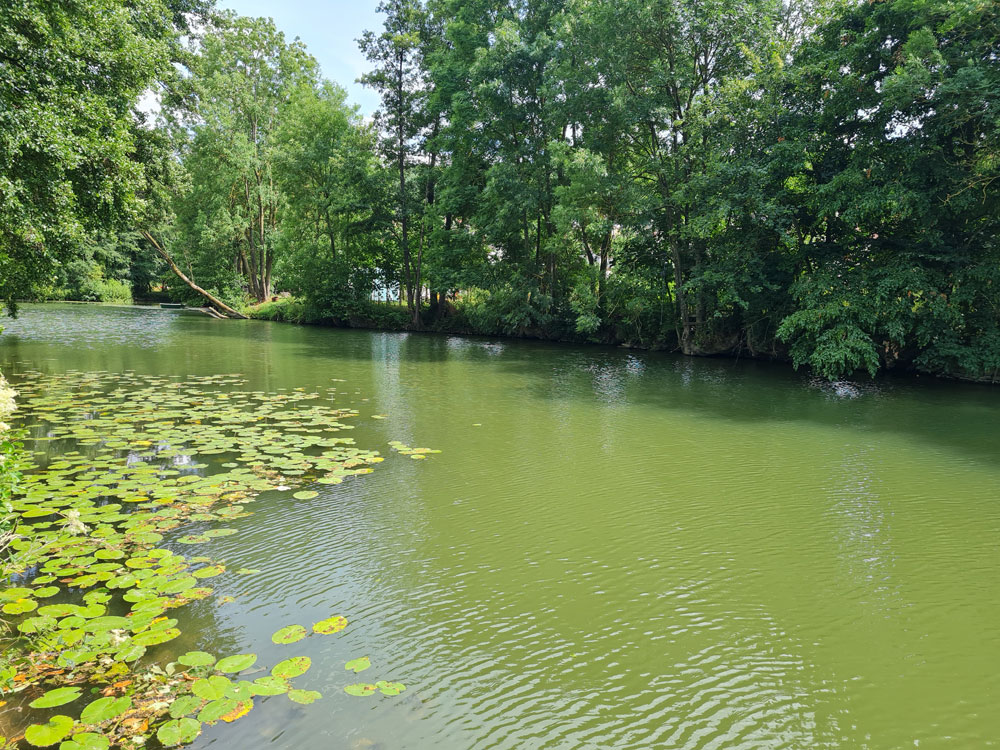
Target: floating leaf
{"x":305,"y":697}
{"x":360,"y":689}
{"x":247,"y":571}
{"x":196,"y":659}
{"x":215,"y":710}
{"x":178,"y":732}
{"x":19,"y":606}
{"x":57,"y":697}
{"x":212,"y":688}
{"x":55,"y":729}
{"x":209,"y":571}
{"x":293,"y":667}
{"x":36,"y":624}
{"x":219,"y":533}
{"x":289,"y":634}
{"x":105,"y":709}
{"x":269,"y":686}
{"x":358,"y":665}
{"x":236,"y":663}
{"x":186,"y":704}
{"x":155,"y":637}
{"x":130,"y":652}
{"x":330,"y":625}
{"x":390,"y":688}
{"x":86,"y":741}
{"x":305,"y":495}
{"x":242,"y":709}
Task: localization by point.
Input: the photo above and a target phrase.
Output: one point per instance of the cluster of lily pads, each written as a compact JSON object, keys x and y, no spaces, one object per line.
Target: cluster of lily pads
{"x":93,"y":572}
{"x":404,"y":450}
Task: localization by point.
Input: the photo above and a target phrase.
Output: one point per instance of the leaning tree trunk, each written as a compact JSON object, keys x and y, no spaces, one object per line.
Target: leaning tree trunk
{"x":212,"y":299}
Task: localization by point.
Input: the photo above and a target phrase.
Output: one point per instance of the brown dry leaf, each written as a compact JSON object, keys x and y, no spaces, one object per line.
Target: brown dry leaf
{"x":135,"y":725}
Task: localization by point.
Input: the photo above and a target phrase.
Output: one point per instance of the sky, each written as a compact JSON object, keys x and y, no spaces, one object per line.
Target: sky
{"x":329,"y":30}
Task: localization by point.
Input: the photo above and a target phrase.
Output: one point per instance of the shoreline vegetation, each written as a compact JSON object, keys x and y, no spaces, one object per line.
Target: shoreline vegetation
{"x":808,"y":180}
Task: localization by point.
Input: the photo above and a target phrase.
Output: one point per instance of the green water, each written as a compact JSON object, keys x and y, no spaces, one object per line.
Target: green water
{"x":631,"y":550}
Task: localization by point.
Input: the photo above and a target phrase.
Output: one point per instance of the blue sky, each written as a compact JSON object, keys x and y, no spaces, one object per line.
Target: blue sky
{"x":329,"y":30}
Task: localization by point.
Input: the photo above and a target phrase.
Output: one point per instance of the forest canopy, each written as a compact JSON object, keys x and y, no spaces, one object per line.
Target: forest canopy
{"x":811,"y":180}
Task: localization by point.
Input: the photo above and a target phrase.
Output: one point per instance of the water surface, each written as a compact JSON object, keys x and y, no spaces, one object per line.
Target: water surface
{"x":614,"y":549}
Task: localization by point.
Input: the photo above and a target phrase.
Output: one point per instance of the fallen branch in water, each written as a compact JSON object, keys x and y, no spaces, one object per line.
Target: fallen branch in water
{"x":224,"y":309}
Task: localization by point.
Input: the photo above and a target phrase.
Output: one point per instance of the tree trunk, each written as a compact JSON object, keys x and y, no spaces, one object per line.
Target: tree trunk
{"x":214,"y":301}
{"x":684,"y":324}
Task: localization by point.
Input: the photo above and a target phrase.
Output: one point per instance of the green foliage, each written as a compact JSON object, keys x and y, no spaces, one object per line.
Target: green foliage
{"x":89,"y":526}
{"x":814,"y":181}
{"x":71,"y":76}
{"x":283,"y":309}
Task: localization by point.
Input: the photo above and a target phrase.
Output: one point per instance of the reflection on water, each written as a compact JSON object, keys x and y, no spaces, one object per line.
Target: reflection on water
{"x":614,"y":550}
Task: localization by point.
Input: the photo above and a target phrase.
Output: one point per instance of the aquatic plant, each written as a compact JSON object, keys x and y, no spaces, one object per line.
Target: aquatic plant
{"x":119,"y":488}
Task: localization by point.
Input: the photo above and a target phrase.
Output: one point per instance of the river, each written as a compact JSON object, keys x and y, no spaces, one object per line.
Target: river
{"x":614,"y":549}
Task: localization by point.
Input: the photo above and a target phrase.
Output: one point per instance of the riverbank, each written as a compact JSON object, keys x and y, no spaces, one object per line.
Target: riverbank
{"x":469,"y":318}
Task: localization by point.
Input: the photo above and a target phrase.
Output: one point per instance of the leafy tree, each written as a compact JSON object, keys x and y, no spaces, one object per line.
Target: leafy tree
{"x":241,"y":82}
{"x":71,"y":76}
{"x":334,"y":233}
{"x":399,"y":76}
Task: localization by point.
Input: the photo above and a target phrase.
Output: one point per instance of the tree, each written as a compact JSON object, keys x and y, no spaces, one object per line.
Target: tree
{"x":71,"y":75}
{"x":241,"y":83}
{"x":399,"y":77}
{"x":334,"y":230}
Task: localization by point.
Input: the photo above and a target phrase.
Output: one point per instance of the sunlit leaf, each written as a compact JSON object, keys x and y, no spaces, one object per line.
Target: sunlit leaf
{"x":105,"y":709}
{"x":55,"y":729}
{"x":57,"y":697}
{"x":178,"y":732}
{"x":236,"y":663}
{"x":293,"y":667}
{"x":289,"y":634}
{"x":358,"y":665}
{"x":360,"y":689}
{"x":304,"y":697}
{"x":330,"y":625}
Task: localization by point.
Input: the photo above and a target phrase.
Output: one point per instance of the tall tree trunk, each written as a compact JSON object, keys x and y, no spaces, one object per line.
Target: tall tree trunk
{"x":403,"y":218}
{"x":684,"y":325}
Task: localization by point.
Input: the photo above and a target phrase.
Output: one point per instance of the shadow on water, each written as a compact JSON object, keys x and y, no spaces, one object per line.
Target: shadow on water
{"x":953,"y":416}
{"x":956,"y":417}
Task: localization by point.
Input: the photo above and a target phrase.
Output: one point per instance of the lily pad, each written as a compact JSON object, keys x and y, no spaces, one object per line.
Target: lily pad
{"x":55,"y":729}
{"x":196,"y":659}
{"x":289,"y":634}
{"x":155,"y":637}
{"x":105,"y":709}
{"x":216,"y":709}
{"x":236,"y":663}
{"x":212,"y":688}
{"x":270,"y":686}
{"x":57,"y":697}
{"x":330,"y":625}
{"x":297,"y":665}
{"x":178,"y":731}
{"x":390,"y":688}
{"x":86,"y":741}
{"x":186,"y":704}
{"x":305,"y":495}
{"x":360,"y":689}
{"x":305,"y":697}
{"x":358,"y":665}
